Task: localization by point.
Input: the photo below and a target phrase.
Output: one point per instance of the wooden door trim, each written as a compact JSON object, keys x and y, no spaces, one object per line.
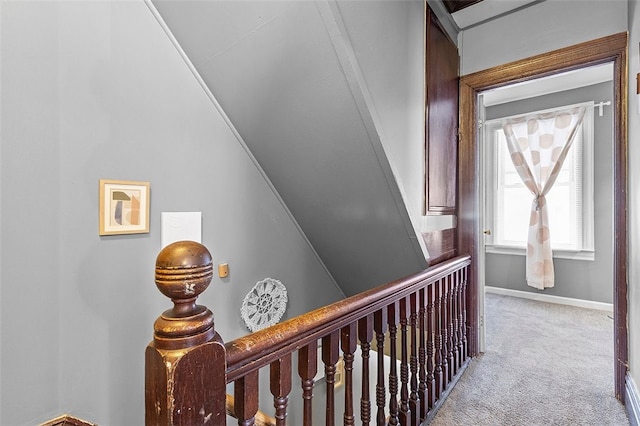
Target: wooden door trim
{"x":611,"y":48}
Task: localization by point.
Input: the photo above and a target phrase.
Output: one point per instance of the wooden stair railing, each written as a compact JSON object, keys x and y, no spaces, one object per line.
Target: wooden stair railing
{"x":188,"y":368}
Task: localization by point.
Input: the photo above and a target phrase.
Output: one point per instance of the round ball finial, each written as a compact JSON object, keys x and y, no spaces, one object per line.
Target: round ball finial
{"x":184,"y":270}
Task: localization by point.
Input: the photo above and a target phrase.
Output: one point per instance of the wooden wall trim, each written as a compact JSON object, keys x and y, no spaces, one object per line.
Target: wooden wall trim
{"x":565,"y":59}
{"x":441,"y":245}
{"x":611,"y":48}
{"x":67,"y":420}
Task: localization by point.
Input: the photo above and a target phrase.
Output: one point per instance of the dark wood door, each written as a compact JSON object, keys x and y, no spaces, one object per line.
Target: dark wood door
{"x":441,"y":118}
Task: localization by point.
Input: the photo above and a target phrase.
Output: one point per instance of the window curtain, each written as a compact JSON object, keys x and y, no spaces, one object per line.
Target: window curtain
{"x":538,"y":144}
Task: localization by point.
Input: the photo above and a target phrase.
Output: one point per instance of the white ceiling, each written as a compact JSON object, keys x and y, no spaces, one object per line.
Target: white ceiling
{"x":486,"y":10}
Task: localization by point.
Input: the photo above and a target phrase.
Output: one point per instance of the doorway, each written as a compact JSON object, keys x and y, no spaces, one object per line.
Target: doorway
{"x":579,"y":203}
{"x":607,"y":49}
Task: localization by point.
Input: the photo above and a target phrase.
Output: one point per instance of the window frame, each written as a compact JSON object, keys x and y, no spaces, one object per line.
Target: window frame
{"x":586,"y":148}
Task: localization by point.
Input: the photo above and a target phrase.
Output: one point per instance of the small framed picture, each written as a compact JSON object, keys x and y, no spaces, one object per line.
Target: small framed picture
{"x":124,"y":207}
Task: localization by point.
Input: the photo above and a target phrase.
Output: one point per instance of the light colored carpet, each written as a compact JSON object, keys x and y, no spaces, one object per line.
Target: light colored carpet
{"x":545,"y":364}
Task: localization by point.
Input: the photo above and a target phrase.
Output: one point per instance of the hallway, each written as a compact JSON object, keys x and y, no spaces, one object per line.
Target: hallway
{"x":544,"y":364}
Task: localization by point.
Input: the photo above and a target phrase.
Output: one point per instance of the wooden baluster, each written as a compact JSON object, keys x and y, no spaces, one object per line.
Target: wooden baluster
{"x":365,"y":335}
{"x":185,"y":345}
{"x":280,"y":378}
{"x":450,"y":329}
{"x":405,"y":411}
{"x":444,"y":327}
{"x":463,"y":298}
{"x":431,"y":379}
{"x":456,"y":315}
{"x":380,"y":328}
{"x":349,"y":339}
{"x":438,"y":371}
{"x":245,"y":392}
{"x":422,"y":355}
{"x":330,"y":355}
{"x":307,"y":370}
{"x":414,"y":399}
{"x":393,"y":316}
{"x":454,"y":325}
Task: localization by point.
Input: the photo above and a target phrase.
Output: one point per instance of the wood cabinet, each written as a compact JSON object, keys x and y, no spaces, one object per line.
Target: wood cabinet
{"x":441,"y":120}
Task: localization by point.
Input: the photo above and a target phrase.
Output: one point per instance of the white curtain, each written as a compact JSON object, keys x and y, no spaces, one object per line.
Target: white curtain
{"x":538,"y":144}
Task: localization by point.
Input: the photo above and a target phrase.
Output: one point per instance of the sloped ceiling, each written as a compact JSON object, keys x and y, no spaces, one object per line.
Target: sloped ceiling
{"x":278,"y":71}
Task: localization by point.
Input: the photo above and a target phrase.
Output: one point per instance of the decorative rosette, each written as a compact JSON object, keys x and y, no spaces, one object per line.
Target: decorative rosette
{"x":264,"y":305}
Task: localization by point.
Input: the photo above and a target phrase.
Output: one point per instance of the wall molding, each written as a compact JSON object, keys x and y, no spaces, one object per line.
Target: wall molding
{"x":580,"y":303}
{"x":632,"y":401}
{"x":441,"y":245}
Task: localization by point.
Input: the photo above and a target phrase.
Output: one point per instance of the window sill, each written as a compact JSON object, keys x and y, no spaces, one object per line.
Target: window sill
{"x":588,"y":255}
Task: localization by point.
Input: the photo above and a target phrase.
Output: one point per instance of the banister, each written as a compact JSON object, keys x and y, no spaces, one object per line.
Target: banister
{"x":188,"y":366}
{"x":259,"y":349}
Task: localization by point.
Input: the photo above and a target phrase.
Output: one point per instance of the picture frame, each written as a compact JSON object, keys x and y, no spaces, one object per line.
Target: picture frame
{"x":123,"y":207}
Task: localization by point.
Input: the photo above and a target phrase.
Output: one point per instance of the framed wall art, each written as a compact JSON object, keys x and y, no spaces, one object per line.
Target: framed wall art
{"x":124,"y":207}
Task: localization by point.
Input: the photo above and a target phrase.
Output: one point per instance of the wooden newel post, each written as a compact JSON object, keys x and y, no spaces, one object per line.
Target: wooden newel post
{"x":185,"y":364}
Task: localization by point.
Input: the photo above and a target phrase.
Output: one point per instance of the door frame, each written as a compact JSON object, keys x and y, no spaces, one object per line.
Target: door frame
{"x":611,"y":48}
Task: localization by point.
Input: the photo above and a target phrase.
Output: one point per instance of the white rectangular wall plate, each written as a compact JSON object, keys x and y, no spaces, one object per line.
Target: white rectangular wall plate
{"x":180,"y":226}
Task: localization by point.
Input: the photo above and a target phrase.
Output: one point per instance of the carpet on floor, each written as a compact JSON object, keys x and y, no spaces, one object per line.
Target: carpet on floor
{"x":544,"y":364}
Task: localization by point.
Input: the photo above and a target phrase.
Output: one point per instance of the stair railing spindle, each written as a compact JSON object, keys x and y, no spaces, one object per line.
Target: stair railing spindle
{"x":365,"y":336}
{"x":393,"y":316}
{"x":330,"y":355}
{"x":414,"y":399}
{"x":405,"y":410}
{"x":349,"y":339}
{"x":380,"y":328}
{"x":422,"y":355}
{"x":307,"y":370}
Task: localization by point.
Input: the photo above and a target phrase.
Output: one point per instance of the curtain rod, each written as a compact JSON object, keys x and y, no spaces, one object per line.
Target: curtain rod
{"x":600,"y":105}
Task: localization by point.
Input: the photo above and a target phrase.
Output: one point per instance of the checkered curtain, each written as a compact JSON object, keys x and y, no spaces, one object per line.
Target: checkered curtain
{"x":539,"y":144}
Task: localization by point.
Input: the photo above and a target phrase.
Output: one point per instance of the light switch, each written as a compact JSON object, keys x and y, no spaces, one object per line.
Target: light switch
{"x":180,"y":226}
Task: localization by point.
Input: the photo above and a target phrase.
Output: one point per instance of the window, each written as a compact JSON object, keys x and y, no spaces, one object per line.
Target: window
{"x":570,"y":200}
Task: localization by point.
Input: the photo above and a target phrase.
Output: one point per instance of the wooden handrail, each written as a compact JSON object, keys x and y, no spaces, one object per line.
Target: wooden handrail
{"x":188,"y":366}
{"x":259,"y":349}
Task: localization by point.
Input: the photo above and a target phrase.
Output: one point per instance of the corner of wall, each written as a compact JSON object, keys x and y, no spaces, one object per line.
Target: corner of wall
{"x":632,"y":401}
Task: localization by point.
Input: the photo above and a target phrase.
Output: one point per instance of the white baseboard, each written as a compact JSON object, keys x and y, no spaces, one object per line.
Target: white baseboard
{"x":580,"y":303}
{"x":632,"y":401}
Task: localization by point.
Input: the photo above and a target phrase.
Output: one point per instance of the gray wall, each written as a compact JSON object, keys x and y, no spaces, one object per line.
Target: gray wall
{"x":96,"y":90}
{"x":579,"y":279}
{"x":543,"y":27}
